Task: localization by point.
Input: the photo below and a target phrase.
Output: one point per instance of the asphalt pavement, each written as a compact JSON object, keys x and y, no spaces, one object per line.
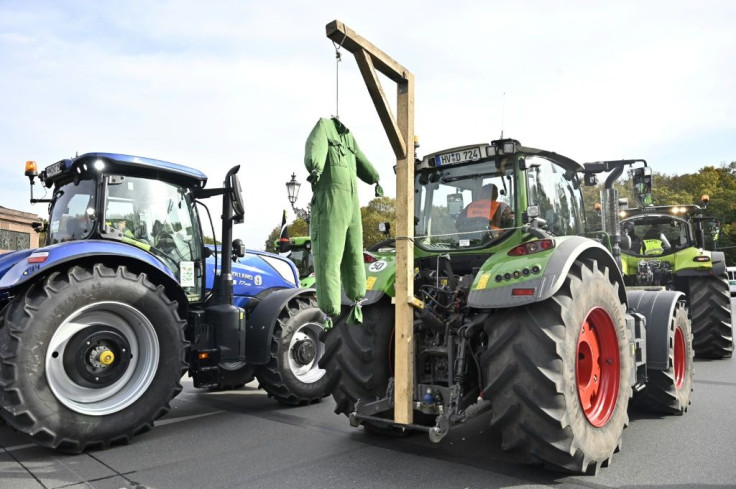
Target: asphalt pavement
{"x":243,"y":439}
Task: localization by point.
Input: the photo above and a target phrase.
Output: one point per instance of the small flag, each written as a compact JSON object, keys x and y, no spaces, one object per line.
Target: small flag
{"x":284,"y":239}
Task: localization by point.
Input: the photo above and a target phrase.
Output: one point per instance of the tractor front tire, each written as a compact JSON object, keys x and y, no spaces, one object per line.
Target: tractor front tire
{"x":558,"y":374}
{"x":292,"y":375}
{"x":89,"y":357}
{"x":710,"y":310}
{"x":669,"y":391}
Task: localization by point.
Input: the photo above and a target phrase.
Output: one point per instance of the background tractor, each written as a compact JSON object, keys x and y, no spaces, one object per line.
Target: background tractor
{"x":98,"y":326}
{"x":299,"y":251}
{"x":522,"y":315}
{"x":664,"y":247}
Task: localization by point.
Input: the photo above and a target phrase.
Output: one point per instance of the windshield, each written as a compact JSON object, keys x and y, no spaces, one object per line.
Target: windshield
{"x":656,"y":235}
{"x":157,"y":217}
{"x":72,"y":211}
{"x":464,"y":206}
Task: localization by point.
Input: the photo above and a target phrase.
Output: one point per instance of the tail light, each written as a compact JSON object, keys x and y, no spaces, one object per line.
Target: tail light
{"x":532,"y":247}
{"x":368,"y":258}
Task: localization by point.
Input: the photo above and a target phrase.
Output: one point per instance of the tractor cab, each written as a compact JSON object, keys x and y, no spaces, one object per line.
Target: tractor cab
{"x":474,"y":197}
{"x":654,"y":231}
{"x":145,"y":203}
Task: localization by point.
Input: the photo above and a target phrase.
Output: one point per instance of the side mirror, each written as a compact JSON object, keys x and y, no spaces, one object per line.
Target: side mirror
{"x":39,"y":227}
{"x":236,"y":197}
{"x":238,"y":249}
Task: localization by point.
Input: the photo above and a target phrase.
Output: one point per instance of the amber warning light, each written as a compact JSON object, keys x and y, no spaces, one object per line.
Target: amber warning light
{"x":31,"y":169}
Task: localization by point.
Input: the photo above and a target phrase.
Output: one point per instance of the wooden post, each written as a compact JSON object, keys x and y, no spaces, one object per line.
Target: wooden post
{"x":400,"y":132}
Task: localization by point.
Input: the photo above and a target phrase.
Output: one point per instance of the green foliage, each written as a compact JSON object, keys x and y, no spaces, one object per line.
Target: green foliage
{"x":211,"y":240}
{"x":380,"y":209}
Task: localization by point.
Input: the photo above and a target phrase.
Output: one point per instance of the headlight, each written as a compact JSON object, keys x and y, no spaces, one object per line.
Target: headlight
{"x":282,"y":267}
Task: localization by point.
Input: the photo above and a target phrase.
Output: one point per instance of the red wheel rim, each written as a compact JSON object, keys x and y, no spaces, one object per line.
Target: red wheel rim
{"x":598,"y":367}
{"x":679,"y":358}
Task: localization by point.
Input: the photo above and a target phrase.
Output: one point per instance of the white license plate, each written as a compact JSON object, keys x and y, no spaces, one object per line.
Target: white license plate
{"x":54,"y":169}
{"x":455,"y":157}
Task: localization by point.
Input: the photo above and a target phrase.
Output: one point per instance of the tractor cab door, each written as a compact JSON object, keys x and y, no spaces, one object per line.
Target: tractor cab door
{"x":72,"y":211}
{"x":160,"y":218}
{"x":555,"y":191}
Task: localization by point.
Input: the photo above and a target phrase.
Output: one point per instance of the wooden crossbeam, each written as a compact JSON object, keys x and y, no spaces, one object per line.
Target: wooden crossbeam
{"x":400,"y":132}
{"x":365,"y":64}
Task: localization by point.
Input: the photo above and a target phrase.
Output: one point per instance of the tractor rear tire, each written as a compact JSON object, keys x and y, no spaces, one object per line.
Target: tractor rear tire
{"x":559,"y":372}
{"x":710,"y":310}
{"x":292,"y":375}
{"x":358,"y":357}
{"x":669,"y":391}
{"x":89,"y":357}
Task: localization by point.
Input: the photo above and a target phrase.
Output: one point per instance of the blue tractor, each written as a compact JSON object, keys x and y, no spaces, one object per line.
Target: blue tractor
{"x":98,"y":326}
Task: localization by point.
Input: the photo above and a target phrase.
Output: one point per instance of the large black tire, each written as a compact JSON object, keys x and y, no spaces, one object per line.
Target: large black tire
{"x":358,"y":357}
{"x":359,"y":360}
{"x":89,"y":331}
{"x":710,"y":310}
{"x":669,"y":391}
{"x":293,"y":375}
{"x":536,"y":357}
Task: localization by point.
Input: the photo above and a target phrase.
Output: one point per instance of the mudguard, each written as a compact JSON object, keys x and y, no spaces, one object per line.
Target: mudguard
{"x":15,"y":269}
{"x":488,"y":291}
{"x":657,"y":306}
{"x":262,"y":322}
{"x":379,"y":279}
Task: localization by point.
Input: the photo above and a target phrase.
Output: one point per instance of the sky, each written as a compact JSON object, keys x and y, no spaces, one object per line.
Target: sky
{"x":215,"y":84}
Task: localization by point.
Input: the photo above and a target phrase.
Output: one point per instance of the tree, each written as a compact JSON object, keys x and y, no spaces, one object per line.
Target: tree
{"x":380,"y":209}
{"x":210,"y":240}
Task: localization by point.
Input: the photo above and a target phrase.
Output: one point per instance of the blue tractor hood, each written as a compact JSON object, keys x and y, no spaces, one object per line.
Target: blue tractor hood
{"x":255,"y":274}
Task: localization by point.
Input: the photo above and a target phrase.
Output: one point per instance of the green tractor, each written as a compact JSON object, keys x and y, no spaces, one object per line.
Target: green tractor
{"x":523,"y":316}
{"x":663,"y":247}
{"x":299,"y":251}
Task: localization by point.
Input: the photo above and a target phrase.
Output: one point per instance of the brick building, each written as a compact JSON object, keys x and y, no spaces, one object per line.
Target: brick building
{"x":16,"y":232}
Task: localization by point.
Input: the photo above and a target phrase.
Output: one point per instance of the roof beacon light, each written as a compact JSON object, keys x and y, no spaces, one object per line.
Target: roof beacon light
{"x":31,"y":169}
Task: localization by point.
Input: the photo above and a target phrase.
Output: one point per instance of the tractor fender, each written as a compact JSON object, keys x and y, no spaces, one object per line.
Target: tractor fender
{"x":380,"y":276}
{"x":65,"y":255}
{"x":262,"y":322}
{"x":552,"y":276}
{"x":717,"y":266}
{"x":657,"y":306}
{"x":718,"y":258}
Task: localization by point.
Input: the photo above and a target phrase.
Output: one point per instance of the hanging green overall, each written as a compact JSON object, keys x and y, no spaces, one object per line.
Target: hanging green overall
{"x":333,"y":160}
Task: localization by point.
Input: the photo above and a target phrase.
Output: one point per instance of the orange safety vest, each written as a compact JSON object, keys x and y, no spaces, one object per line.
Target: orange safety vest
{"x":483,"y":208}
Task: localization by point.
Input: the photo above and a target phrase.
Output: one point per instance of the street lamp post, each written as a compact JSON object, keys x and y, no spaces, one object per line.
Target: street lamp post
{"x":292,"y":188}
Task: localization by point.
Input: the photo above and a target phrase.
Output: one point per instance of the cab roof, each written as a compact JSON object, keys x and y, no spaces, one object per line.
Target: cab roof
{"x":124,"y":165}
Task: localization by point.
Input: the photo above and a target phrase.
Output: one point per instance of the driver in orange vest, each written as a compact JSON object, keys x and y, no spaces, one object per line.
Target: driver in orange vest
{"x":484,"y":207}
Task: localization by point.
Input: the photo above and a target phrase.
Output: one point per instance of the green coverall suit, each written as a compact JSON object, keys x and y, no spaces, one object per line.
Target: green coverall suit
{"x":333,"y":160}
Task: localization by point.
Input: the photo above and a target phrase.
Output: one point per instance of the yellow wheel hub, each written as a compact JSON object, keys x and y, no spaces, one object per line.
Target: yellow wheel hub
{"x":107,"y":357}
